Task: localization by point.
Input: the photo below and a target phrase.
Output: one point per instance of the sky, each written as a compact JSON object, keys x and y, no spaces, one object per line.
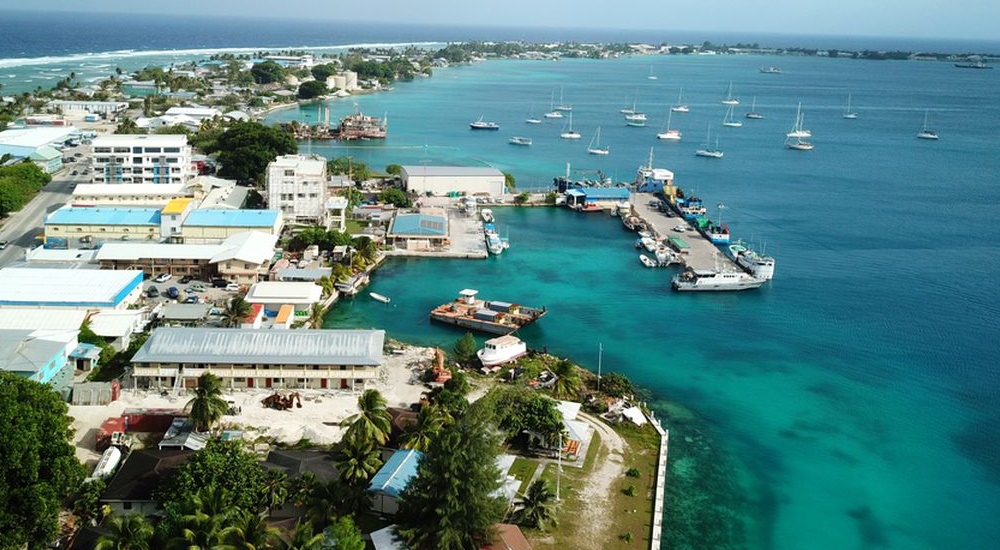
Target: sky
{"x":954,"y":19}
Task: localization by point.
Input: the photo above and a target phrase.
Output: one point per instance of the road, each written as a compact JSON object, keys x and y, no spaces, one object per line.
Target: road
{"x":23,"y":227}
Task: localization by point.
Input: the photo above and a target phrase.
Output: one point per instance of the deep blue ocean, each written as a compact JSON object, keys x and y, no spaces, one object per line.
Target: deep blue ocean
{"x":850,"y":403}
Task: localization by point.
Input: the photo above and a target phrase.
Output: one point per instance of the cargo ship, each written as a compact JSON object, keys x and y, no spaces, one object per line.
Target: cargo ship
{"x":493,"y":317}
{"x":360,"y":126}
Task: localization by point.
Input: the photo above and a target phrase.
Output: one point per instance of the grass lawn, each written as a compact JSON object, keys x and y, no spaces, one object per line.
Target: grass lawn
{"x":523,"y":469}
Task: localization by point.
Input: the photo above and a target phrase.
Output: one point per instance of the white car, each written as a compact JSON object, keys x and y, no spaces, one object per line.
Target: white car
{"x":232,"y":287}
{"x":162,"y":278}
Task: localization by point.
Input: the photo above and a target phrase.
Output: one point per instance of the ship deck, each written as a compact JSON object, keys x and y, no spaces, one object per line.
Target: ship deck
{"x":702,"y":253}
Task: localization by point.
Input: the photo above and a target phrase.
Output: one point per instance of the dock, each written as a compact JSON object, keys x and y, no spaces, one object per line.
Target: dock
{"x":700,"y":254}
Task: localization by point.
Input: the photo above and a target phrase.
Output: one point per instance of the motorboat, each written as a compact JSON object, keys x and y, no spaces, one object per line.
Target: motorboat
{"x":379,"y":297}
{"x":647,"y":261}
{"x":501,"y":350}
{"x":519,"y":140}
{"x":484,"y":125}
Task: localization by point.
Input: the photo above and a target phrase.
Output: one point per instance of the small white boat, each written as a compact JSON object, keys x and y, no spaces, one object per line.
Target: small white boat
{"x":680,"y":107}
{"x":669,"y":134}
{"x":800,"y":145}
{"x":519,"y":140}
{"x":729,"y":120}
{"x":568,"y":132}
{"x":848,"y":113}
{"x":648,"y":243}
{"x":647,"y":261}
{"x":797,"y":130}
{"x":595,"y":147}
{"x":925,"y":132}
{"x":730,"y":100}
{"x":707,"y":150}
{"x":378,"y":297}
{"x":532,"y":119}
{"x":753,"y":114}
{"x":487,"y":215}
{"x":501,"y":350}
{"x":483,"y":125}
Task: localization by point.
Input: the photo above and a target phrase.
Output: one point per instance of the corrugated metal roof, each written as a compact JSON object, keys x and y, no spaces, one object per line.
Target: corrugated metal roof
{"x":30,"y":319}
{"x":395,"y":475}
{"x":232,"y":218}
{"x":419,"y":224}
{"x":606,"y":192}
{"x":451,"y":171}
{"x":263,"y":346}
{"x":129,"y":190}
{"x":105,"y":216}
{"x":27,"y":286}
{"x":164,"y":251}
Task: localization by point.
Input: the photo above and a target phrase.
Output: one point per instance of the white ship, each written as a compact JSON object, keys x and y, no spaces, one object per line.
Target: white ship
{"x":714,"y":280}
{"x":758,"y":265}
{"x":501,"y":350}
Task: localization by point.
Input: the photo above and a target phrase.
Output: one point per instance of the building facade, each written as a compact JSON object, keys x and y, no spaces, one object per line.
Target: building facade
{"x":297,"y":186}
{"x":131,"y":158}
{"x":444,"y":180}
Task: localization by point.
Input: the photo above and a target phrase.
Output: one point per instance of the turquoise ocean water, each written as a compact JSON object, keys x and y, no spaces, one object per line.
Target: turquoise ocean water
{"x":852,"y":402}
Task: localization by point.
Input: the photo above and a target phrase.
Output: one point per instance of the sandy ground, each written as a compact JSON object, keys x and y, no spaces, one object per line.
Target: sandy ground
{"x":318,"y":420}
{"x":597,"y":520}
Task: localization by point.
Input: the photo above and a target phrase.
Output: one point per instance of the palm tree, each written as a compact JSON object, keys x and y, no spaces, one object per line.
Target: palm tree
{"x":537,"y":507}
{"x":275,"y":489}
{"x":316,"y":313}
{"x":131,"y":532}
{"x":372,"y":422}
{"x":327,"y":284}
{"x":236,"y":310}
{"x":207,"y":406}
{"x":357,"y":460}
{"x":303,"y":537}
{"x":249,"y":531}
{"x":429,"y":422}
{"x":324,"y":500}
{"x":367,"y":248}
{"x":568,"y":384}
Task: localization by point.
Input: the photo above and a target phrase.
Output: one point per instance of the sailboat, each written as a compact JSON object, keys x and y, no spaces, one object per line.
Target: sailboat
{"x":925,"y":132}
{"x":848,"y":113}
{"x":532,"y":119}
{"x":730,"y":100}
{"x":668,"y":134}
{"x":707,"y":150}
{"x":563,"y":106}
{"x":651,"y":75}
{"x":797,"y":130}
{"x":680,"y":107}
{"x":729,"y":120}
{"x":568,"y":132}
{"x":634,"y":117}
{"x":753,"y":114}
{"x":553,"y":112}
{"x":595,"y":147}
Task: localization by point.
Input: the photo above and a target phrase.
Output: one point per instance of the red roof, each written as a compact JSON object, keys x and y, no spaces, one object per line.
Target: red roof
{"x":254,"y":312}
{"x":509,"y":537}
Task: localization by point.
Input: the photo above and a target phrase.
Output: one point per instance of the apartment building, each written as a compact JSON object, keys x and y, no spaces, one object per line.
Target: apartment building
{"x":297,"y":187}
{"x":137,"y":158}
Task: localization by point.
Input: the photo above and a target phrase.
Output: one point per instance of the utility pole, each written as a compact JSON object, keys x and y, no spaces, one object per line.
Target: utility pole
{"x":600,"y":359}
{"x":558,"y":465}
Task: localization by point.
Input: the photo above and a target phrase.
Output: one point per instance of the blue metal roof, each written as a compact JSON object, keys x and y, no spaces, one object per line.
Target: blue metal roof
{"x":232,"y":218}
{"x":617,"y":193}
{"x":420,"y":224}
{"x":105,"y":216}
{"x":397,"y":472}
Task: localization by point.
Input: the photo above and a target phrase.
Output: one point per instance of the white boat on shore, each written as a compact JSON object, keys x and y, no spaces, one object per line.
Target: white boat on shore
{"x":379,"y":297}
{"x":501,"y":350}
{"x":647,"y":261}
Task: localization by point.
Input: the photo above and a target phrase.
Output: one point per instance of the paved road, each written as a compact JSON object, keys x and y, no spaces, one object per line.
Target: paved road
{"x":23,"y":227}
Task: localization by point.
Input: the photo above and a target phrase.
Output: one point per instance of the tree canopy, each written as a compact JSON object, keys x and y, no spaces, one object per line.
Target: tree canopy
{"x":517,"y":408}
{"x":221,"y":464}
{"x":324,"y":71}
{"x":246,"y":148}
{"x":395,"y":197}
{"x":38,"y":465}
{"x":312,"y":89}
{"x":18,"y":184}
{"x":267,"y":72}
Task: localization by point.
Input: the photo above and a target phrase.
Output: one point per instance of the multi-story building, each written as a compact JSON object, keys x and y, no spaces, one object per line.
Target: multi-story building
{"x":296,"y":186}
{"x":131,"y":158}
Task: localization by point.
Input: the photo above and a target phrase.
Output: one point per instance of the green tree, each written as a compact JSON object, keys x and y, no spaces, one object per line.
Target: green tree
{"x":236,"y":310}
{"x":344,"y":534}
{"x":465,"y":348}
{"x":131,"y":532}
{"x":358,"y":171}
{"x":267,"y":72}
{"x":324,"y":71}
{"x":38,"y":465}
{"x":394,"y":196}
{"x":312,"y":89}
{"x":246,"y":148}
{"x":522,"y":198}
{"x":86,"y":503}
{"x":394,"y":169}
{"x":222,"y":464}
{"x":357,"y":459}
{"x":323,"y":501}
{"x":316,"y":313}
{"x":615,"y":385}
{"x":420,"y":434}
{"x":568,"y":384}
{"x":509,"y":181}
{"x":304,"y":537}
{"x":372,"y":422}
{"x":438,"y":512}
{"x":249,"y":530}
{"x":275,"y":489}
{"x":128,"y":126}
{"x":367,"y":248}
{"x":517,"y":409}
{"x":207,"y":406}
{"x":537,"y":508}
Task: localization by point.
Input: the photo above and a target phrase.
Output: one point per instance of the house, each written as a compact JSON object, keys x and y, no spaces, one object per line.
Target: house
{"x":392,"y":479}
{"x":213,"y":225}
{"x":274,"y":294}
{"x":130,"y":491}
{"x":423,"y":231}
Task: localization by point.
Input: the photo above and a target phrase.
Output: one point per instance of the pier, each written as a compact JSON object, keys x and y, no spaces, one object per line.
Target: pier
{"x":701,"y":254}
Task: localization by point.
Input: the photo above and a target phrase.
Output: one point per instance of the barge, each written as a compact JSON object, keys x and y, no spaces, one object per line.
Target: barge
{"x":493,"y":317}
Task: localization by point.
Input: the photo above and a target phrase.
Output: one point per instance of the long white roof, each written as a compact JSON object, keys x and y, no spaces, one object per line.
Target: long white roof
{"x":249,"y":246}
{"x":26,"y":286}
{"x":262,"y":346}
{"x":33,"y":318}
{"x":132,"y":189}
{"x":284,"y":292}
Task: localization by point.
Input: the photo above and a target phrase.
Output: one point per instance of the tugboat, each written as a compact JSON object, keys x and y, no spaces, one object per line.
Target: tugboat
{"x":492,"y":317}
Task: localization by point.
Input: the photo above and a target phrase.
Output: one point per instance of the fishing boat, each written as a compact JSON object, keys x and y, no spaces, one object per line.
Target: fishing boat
{"x":646,"y":242}
{"x":797,"y":128}
{"x":756,"y":264}
{"x":647,"y":261}
{"x":519,"y":140}
{"x":717,"y":233}
{"x":665,"y":256}
{"x":706,"y":148}
{"x":753,"y":114}
{"x":729,"y":121}
{"x":925,"y":131}
{"x":714,"y":280}
{"x":595,"y":147}
{"x":680,"y":107}
{"x":379,"y":297}
{"x":730,"y":100}
{"x":501,"y":350}
{"x":669,"y":134}
{"x":494,"y":244}
{"x":553,"y":113}
{"x":848,"y":113}
{"x":494,"y":317}
{"x":568,"y":132}
{"x":483,"y":125}
{"x":638,"y":123}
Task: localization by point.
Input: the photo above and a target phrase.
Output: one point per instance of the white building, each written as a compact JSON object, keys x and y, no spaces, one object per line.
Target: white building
{"x":129,"y":158}
{"x":274,"y":294}
{"x":145,"y":194}
{"x":87,"y":289}
{"x":441,"y":180}
{"x":82,"y":107}
{"x":296,"y":186}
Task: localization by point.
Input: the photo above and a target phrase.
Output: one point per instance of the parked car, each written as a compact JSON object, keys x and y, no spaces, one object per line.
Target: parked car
{"x":220,"y":283}
{"x":163,"y":277}
{"x":3,"y":244}
{"x":186,"y":279}
{"x":196,"y":287}
{"x":191,"y":300}
{"x":152,"y":292}
{"x":172,"y":292}
{"x":232,"y":287}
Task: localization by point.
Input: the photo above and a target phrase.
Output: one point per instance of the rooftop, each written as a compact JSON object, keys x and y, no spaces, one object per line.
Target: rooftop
{"x":302,"y":165}
{"x":27,"y":351}
{"x":451,"y":171}
{"x":130,"y":190}
{"x":146,"y":140}
{"x":142,"y":473}
{"x":104,"y":215}
{"x":419,"y":224}
{"x":32,"y":318}
{"x":233,"y":218}
{"x":29,"y":286}
{"x":601,"y":192}
{"x":36,"y":137}
{"x":177,"y":206}
{"x":262,"y":346}
{"x":395,"y":475}
{"x":274,"y":292}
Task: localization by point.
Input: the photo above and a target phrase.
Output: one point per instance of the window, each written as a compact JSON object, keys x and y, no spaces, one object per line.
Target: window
{"x":152,"y":149}
{"x":121,"y":149}
{"x":289,"y":173}
{"x":136,"y":160}
{"x":171,"y":149}
{"x":172,"y":160}
{"x":135,"y":150}
{"x":102,"y":149}
{"x":127,"y":505}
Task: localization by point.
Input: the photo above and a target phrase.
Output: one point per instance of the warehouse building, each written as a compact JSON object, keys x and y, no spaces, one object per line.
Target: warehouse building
{"x":25,"y":287}
{"x":449,"y":180}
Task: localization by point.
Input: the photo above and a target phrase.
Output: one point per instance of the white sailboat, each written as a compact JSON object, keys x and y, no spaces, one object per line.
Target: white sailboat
{"x":532,"y":119}
{"x":753,"y":114}
{"x":707,"y":150}
{"x":563,"y":106}
{"x":797,"y":129}
{"x":595,"y":147}
{"x":848,"y":113}
{"x":669,"y":134}
{"x":680,"y":107}
{"x":925,"y":131}
{"x":568,"y":132}
{"x":730,"y":100}
{"x":729,"y":121}
{"x":651,"y":75}
{"x":553,"y":113}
